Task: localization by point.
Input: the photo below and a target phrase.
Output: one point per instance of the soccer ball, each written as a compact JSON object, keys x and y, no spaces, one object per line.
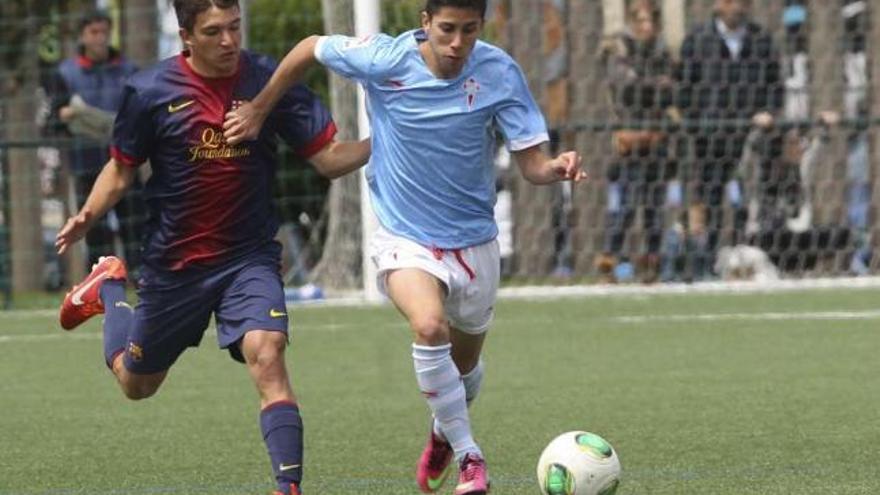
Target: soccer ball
{"x":579,"y":463}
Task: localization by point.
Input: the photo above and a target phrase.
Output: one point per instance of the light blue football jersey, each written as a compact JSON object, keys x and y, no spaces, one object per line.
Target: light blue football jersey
{"x":431,"y":173}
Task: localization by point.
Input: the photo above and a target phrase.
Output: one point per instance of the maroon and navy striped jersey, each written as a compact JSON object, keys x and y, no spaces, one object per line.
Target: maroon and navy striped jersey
{"x":209,"y":202}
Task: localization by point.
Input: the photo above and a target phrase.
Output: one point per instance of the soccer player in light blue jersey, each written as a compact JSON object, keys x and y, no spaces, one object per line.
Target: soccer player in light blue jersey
{"x":436,"y":96}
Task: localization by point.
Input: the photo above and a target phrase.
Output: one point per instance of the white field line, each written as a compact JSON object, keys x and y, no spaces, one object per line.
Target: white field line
{"x":821,"y":315}
{"x":716,"y":287}
{"x":93,"y":335}
{"x":26,"y":314}
{"x":538,"y":292}
{"x":22,"y":337}
{"x":630,"y":319}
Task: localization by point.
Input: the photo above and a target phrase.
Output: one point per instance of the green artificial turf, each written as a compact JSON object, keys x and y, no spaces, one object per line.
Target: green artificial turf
{"x":700,"y":394}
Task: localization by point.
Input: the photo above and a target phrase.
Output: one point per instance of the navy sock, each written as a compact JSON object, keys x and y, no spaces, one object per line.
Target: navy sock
{"x":282,"y":430}
{"x":118,"y":317}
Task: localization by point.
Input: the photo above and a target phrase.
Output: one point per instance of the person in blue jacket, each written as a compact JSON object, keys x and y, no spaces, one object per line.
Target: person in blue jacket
{"x":86,"y":91}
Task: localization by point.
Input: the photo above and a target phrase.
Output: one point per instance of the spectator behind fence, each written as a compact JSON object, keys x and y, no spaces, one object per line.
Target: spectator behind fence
{"x":86,"y":94}
{"x":639,"y":73}
{"x":857,"y":106}
{"x":777,"y":170}
{"x":729,"y":72}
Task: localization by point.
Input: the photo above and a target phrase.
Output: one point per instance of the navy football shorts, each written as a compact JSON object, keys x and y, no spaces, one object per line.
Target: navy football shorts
{"x":175,"y":309}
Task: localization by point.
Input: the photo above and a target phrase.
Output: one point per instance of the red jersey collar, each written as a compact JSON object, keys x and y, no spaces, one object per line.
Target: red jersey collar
{"x":189,"y":70}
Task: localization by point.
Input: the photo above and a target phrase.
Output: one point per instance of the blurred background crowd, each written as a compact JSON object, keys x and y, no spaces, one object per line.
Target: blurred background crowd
{"x":724,"y":139}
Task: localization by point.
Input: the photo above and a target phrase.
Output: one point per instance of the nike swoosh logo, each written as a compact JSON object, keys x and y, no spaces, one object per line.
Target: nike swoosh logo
{"x":274,"y":313}
{"x":288,"y":467}
{"x":76,"y":297}
{"x":180,"y":106}
{"x":464,"y":486}
{"x":122,"y":304}
{"x":435,"y":484}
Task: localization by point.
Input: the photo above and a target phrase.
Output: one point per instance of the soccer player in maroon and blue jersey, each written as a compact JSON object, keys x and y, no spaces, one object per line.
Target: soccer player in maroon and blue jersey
{"x":209,"y":248}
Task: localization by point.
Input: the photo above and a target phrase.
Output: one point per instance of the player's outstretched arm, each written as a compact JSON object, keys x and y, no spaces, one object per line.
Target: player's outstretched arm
{"x":244,"y":123}
{"x":339,"y":158}
{"x":538,"y":168}
{"x":109,"y":187}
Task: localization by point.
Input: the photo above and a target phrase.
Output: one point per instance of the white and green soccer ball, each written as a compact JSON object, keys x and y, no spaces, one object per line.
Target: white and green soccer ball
{"x":579,"y":463}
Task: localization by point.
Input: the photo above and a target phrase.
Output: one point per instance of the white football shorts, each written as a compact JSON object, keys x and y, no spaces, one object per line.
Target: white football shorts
{"x":470,"y":275}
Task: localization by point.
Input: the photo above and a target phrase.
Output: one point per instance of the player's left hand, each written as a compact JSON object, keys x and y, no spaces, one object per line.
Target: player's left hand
{"x":567,"y":166}
{"x":243,"y":124}
{"x":73,"y":230}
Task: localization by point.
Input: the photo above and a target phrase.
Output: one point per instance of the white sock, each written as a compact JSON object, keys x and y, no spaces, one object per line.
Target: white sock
{"x":441,"y":383}
{"x":471,"y":382}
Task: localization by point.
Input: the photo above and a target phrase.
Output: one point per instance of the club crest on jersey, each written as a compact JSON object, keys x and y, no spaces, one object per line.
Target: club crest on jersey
{"x":136,"y":352}
{"x":471,"y":88}
{"x":212,"y":145}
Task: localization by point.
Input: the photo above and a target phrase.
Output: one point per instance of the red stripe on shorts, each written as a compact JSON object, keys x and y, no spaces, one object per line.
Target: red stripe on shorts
{"x":470,"y":271}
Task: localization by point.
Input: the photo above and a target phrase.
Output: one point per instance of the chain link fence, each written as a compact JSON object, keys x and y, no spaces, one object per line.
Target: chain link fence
{"x":713,"y":151}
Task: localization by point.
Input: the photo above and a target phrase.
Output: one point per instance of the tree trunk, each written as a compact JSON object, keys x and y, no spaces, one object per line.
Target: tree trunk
{"x":587,"y":21}
{"x":873,"y":48}
{"x":26,"y":241}
{"x":340,"y":264}
{"x":826,"y":93}
{"x":139,"y":31}
{"x":533,"y":234}
{"x":674,"y":25}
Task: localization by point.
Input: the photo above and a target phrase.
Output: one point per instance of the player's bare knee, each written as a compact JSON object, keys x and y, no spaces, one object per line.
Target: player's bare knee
{"x":139,"y":390}
{"x":430,"y":330}
{"x":266,"y":359}
{"x":139,"y":387}
{"x":137,"y":393}
{"x":265,"y":351}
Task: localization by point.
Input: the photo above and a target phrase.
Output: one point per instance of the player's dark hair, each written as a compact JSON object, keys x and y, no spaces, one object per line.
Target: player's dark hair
{"x":434,"y":6}
{"x":188,"y":10}
{"x":91,"y":17}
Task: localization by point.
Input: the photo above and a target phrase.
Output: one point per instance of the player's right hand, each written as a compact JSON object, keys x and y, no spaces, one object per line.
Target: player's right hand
{"x":569,"y":166}
{"x":74,"y":229}
{"x":243,"y":124}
